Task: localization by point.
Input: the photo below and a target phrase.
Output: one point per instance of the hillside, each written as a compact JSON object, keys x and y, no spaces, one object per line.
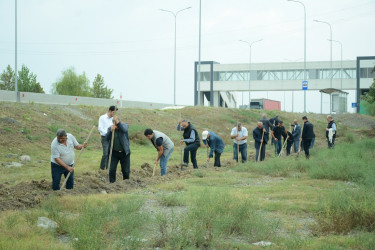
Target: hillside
{"x":289,"y":201}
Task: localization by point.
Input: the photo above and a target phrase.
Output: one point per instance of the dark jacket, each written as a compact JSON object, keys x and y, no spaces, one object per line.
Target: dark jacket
{"x":123,"y":136}
{"x":187,"y":132}
{"x":296,"y":132}
{"x":308,"y":131}
{"x":215,"y":143}
{"x":278,"y":132}
{"x":290,"y":136}
{"x":257,"y":135}
{"x":274,"y":121}
{"x":330,"y":126}
{"x":266,"y":124}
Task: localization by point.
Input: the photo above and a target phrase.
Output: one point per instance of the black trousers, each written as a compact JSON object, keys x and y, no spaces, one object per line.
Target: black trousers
{"x":192,"y":148}
{"x":306,"y":147}
{"x":125,"y":165}
{"x":289,"y":146}
{"x":57,"y":171}
{"x":217,"y":159}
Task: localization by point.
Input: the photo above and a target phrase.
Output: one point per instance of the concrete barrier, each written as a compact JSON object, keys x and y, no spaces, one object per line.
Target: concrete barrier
{"x":28,"y":97}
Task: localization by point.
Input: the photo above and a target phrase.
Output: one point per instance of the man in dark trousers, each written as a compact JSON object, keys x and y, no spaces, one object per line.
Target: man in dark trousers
{"x":216,"y":144}
{"x":307,"y":135}
{"x":274,"y":121}
{"x":192,"y":141}
{"x":258,"y":140}
{"x":276,"y":134}
{"x":266,"y":123}
{"x":331,"y":132}
{"x":120,"y":150}
{"x":289,"y":141}
{"x":296,"y":135}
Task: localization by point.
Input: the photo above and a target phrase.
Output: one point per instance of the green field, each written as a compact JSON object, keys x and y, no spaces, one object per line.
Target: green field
{"x":327,"y":202}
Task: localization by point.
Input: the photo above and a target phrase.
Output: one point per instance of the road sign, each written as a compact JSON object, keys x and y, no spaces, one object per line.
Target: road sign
{"x":354,"y":104}
{"x":305,"y":85}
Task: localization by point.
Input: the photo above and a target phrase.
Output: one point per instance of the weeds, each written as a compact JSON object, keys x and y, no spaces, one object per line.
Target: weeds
{"x":171,"y":200}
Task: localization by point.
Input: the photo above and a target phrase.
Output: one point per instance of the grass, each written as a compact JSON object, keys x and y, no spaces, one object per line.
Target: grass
{"x":326,"y":202}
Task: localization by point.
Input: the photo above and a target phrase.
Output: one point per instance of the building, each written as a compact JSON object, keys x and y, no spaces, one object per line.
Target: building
{"x":221,"y":81}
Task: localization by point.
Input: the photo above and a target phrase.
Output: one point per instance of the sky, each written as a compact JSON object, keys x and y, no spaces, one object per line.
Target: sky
{"x":131,"y":43}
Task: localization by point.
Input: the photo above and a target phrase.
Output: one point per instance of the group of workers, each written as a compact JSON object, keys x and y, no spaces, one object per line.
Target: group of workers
{"x":115,"y":143}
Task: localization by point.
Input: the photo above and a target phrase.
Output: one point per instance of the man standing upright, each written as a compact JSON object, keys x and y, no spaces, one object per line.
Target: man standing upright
{"x":105,"y":121}
{"x":275,"y":122}
{"x":239,"y":135}
{"x":192,"y":141}
{"x":331,"y":132}
{"x":260,"y":135}
{"x":276,"y":134}
{"x":216,"y":144}
{"x":307,"y":135}
{"x":296,"y":135}
{"x":120,"y":150}
{"x":163,"y":145}
{"x":62,"y":158}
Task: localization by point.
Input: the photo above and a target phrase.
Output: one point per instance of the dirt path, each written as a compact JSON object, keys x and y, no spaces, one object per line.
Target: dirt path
{"x":29,"y":194}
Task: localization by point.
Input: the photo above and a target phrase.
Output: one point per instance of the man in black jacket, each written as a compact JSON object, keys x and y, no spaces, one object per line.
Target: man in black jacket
{"x":192,"y":141}
{"x":276,"y":134}
{"x":260,"y":135}
{"x":307,"y":135}
{"x":120,"y":150}
{"x":266,"y":123}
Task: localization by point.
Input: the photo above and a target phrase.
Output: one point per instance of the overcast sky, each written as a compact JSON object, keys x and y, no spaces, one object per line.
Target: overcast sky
{"x":130,"y":43}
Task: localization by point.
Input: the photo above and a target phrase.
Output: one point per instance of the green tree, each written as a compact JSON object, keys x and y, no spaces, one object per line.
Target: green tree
{"x":72,"y":84}
{"x":27,"y":81}
{"x":99,"y":90}
{"x":7,"y":79}
{"x":370,"y":95}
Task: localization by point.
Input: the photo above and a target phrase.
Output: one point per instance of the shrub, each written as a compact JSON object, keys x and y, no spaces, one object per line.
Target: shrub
{"x":345,"y":210}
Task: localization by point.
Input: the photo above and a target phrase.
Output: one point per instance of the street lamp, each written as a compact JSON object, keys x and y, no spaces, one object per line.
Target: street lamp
{"x":15,"y":50}
{"x":175,"y":32}
{"x":304,"y":59}
{"x":341,"y":71}
{"x":330,"y":79}
{"x":250,"y":44}
{"x":199,"y":57}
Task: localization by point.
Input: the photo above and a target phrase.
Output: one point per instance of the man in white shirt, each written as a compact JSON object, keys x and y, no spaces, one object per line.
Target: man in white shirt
{"x":239,"y":135}
{"x":105,"y":121}
{"x":62,"y":158}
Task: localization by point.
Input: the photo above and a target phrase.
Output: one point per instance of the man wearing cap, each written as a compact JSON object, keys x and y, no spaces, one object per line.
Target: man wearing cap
{"x":239,"y":135}
{"x":163,"y":145}
{"x":105,"y":121}
{"x":192,"y":141}
{"x":216,"y":144}
{"x":307,"y":135}
{"x":276,"y":134}
{"x":120,"y":150}
{"x":62,"y":158}
{"x":260,"y":135}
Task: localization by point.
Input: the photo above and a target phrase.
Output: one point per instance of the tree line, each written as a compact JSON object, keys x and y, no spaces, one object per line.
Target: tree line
{"x":70,"y":83}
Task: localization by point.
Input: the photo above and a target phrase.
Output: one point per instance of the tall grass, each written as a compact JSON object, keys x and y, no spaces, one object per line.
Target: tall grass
{"x":213,"y":216}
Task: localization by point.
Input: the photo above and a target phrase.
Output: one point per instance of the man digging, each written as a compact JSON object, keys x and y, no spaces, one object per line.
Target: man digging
{"x":62,"y":158}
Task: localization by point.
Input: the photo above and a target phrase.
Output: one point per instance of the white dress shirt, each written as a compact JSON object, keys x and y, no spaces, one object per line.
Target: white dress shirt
{"x":104,"y":123}
{"x":243,"y":132}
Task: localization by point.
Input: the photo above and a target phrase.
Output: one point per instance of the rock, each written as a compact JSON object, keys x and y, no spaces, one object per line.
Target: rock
{"x":47,"y":223}
{"x":10,"y":120}
{"x":262,"y":243}
{"x":44,"y":114}
{"x":104,"y":192}
{"x":13,"y":164}
{"x":12,"y":155}
{"x":25,"y":158}
{"x":6,"y":163}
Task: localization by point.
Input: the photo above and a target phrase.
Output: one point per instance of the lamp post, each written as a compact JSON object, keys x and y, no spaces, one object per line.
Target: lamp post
{"x":304,"y":59}
{"x":199,"y":57}
{"x":175,"y":33}
{"x":250,"y":44}
{"x":15,"y":66}
{"x":341,"y":70}
{"x":330,"y":79}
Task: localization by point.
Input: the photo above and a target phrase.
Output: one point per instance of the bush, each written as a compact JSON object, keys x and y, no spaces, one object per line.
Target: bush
{"x":345,"y":210}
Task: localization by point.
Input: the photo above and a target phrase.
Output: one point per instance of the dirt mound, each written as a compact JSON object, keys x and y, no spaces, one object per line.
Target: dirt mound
{"x":29,"y":194}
